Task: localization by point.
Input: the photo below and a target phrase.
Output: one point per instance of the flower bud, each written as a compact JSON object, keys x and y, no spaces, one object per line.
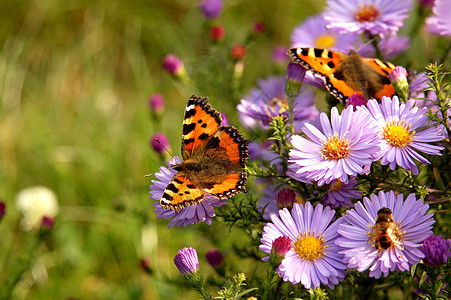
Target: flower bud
{"x":187,"y":261}
{"x":211,"y":9}
{"x":214,"y":258}
{"x":295,"y":76}
{"x":159,"y":142}
{"x":356,"y":100}
{"x":173,"y":65}
{"x":2,"y":209}
{"x":259,"y":28}
{"x":280,"y":247}
{"x":398,"y":78}
{"x":146,"y":264}
{"x":217,"y":33}
{"x":286,"y":198}
{"x":239,"y":52}
{"x":436,"y":250}
{"x":156,"y":103}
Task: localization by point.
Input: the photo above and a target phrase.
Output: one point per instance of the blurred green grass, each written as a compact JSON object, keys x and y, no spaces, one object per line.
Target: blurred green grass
{"x":75,"y":79}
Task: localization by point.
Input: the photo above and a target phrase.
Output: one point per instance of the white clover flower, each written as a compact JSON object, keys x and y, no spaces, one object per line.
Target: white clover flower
{"x":34,"y":203}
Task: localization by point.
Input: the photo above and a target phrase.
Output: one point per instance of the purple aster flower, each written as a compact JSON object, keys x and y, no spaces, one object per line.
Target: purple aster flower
{"x":436,"y":250}
{"x":440,"y":23}
{"x":202,"y":212}
{"x":390,"y":47}
{"x":211,"y":8}
{"x":341,"y":148}
{"x":186,"y":261}
{"x":378,"y":17}
{"x":259,"y":107}
{"x":403,"y":130}
{"x":313,"y":258}
{"x":388,"y":245}
{"x":313,"y":33}
{"x":340,"y":194}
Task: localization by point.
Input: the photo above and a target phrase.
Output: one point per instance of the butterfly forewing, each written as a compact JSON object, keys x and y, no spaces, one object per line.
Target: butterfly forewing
{"x":320,"y":61}
{"x":200,"y":123}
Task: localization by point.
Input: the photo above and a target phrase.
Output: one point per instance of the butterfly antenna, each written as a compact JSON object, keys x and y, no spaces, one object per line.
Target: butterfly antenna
{"x":161,"y":144}
{"x":374,"y":39}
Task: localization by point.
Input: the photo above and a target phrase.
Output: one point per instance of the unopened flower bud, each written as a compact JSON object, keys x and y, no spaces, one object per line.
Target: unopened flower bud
{"x":286,"y":198}
{"x":398,"y":78}
{"x":295,"y":76}
{"x":211,"y":9}
{"x":280,"y":247}
{"x":156,"y":103}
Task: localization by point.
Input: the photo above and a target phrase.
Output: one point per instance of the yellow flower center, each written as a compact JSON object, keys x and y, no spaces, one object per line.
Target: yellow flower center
{"x":309,"y":247}
{"x":325,"y":41}
{"x":336,"y":186}
{"x":281,"y":102}
{"x":335,"y":148}
{"x":367,"y":12}
{"x":398,"y":134}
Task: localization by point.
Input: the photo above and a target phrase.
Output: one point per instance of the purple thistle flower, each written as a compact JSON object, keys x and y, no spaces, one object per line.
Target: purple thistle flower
{"x":440,"y":22}
{"x":383,"y":17}
{"x":341,"y":148}
{"x":358,"y":240}
{"x":156,"y":103}
{"x":403,"y":130}
{"x":340,"y":194}
{"x":186,"y":261}
{"x":259,"y":107}
{"x":159,"y":142}
{"x":211,"y":9}
{"x":214,"y":257}
{"x":173,"y":65}
{"x":313,"y":258}
{"x":313,"y":33}
{"x":436,"y":250}
{"x":202,"y":212}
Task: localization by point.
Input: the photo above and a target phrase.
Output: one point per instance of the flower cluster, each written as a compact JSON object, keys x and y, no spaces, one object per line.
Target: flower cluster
{"x":344,"y":188}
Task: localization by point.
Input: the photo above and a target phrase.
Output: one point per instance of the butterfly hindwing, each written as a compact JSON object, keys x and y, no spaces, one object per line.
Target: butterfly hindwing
{"x":200,"y":123}
{"x":228,"y":140}
{"x":181,"y":192}
{"x":229,"y":186}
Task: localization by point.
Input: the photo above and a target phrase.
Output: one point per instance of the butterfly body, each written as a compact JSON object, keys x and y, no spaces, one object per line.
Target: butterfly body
{"x":213,"y":159}
{"x":344,"y":74}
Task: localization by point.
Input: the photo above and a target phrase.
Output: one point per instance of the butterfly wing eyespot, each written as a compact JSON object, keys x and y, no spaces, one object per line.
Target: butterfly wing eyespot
{"x":181,"y":192}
